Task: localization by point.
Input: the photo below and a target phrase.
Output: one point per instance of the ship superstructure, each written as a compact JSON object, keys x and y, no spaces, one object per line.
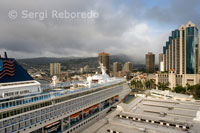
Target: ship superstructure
{"x":25,"y":107}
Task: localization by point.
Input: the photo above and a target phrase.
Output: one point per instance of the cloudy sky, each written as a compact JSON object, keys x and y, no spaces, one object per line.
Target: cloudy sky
{"x":131,"y":27}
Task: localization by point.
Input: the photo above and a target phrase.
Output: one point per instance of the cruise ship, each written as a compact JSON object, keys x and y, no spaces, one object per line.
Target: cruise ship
{"x":26,"y":107}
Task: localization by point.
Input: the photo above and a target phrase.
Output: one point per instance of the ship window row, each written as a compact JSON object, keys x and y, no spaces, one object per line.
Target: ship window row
{"x":16,"y":126}
{"x":46,"y":96}
{"x":15,"y":93}
{"x":13,"y":127}
{"x":40,"y":115}
{"x":84,"y":100}
{"x":71,"y":105}
{"x":22,"y":110}
{"x":22,"y":101}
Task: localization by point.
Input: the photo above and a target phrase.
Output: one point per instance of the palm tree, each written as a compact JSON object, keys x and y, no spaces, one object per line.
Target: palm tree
{"x":133,"y":83}
{"x":166,"y":86}
{"x":152,"y":83}
{"x":159,"y":85}
{"x":163,"y":86}
{"x":139,"y":84}
{"x":149,"y":84}
{"x":188,"y":89}
{"x":146,"y":84}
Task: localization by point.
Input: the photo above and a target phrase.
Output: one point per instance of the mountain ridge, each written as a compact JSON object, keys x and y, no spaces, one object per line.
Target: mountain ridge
{"x":47,"y":60}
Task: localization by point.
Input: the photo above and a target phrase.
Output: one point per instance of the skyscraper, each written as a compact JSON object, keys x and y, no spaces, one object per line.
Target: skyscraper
{"x":161,"y":63}
{"x":182,"y":50}
{"x":181,"y":57}
{"x":128,"y":67}
{"x":117,"y":67}
{"x":54,"y":69}
{"x":104,"y":58}
{"x":150,"y":62}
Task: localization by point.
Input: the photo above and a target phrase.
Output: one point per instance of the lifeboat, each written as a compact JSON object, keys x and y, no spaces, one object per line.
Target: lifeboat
{"x":86,"y":110}
{"x":94,"y":106}
{"x":75,"y":115}
{"x":52,"y":124}
{"x":53,"y":127}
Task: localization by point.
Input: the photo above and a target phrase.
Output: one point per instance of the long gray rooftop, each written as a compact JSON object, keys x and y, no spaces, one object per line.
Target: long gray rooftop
{"x":151,"y":115}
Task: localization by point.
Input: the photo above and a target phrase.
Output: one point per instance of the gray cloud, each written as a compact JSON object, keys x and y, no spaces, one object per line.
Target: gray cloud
{"x":122,"y":28}
{"x":178,"y":12}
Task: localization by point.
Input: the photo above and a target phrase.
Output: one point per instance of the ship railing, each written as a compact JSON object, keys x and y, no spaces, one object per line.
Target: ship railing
{"x":50,"y":95}
{"x":60,"y":85}
{"x":38,"y":117}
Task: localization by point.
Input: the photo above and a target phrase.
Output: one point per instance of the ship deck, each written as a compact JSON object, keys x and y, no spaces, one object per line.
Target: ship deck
{"x":36,"y":97}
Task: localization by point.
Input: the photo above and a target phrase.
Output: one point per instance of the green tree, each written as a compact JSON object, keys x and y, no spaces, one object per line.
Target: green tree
{"x":180,"y":89}
{"x":189,"y":89}
{"x":195,"y":91}
{"x":153,"y":84}
{"x":133,"y":83}
{"x":163,"y":86}
{"x":147,"y":84}
{"x":139,"y":84}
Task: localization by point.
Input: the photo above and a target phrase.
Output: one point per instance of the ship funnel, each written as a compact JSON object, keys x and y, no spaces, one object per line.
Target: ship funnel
{"x":5,"y":54}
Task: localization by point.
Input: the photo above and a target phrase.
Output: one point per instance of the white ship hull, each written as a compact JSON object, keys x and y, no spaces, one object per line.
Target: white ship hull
{"x":68,"y":116}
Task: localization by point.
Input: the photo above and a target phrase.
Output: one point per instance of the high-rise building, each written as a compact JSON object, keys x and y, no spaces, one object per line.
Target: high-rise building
{"x":54,"y":69}
{"x":181,"y":57}
{"x":104,"y":58}
{"x":150,"y":62}
{"x":81,"y":70}
{"x":117,"y":67}
{"x":128,"y":67}
{"x":86,"y":69}
{"x":161,"y":63}
{"x":182,"y":50}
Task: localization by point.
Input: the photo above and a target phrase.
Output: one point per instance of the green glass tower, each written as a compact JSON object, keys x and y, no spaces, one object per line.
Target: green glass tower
{"x":182,"y":50}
